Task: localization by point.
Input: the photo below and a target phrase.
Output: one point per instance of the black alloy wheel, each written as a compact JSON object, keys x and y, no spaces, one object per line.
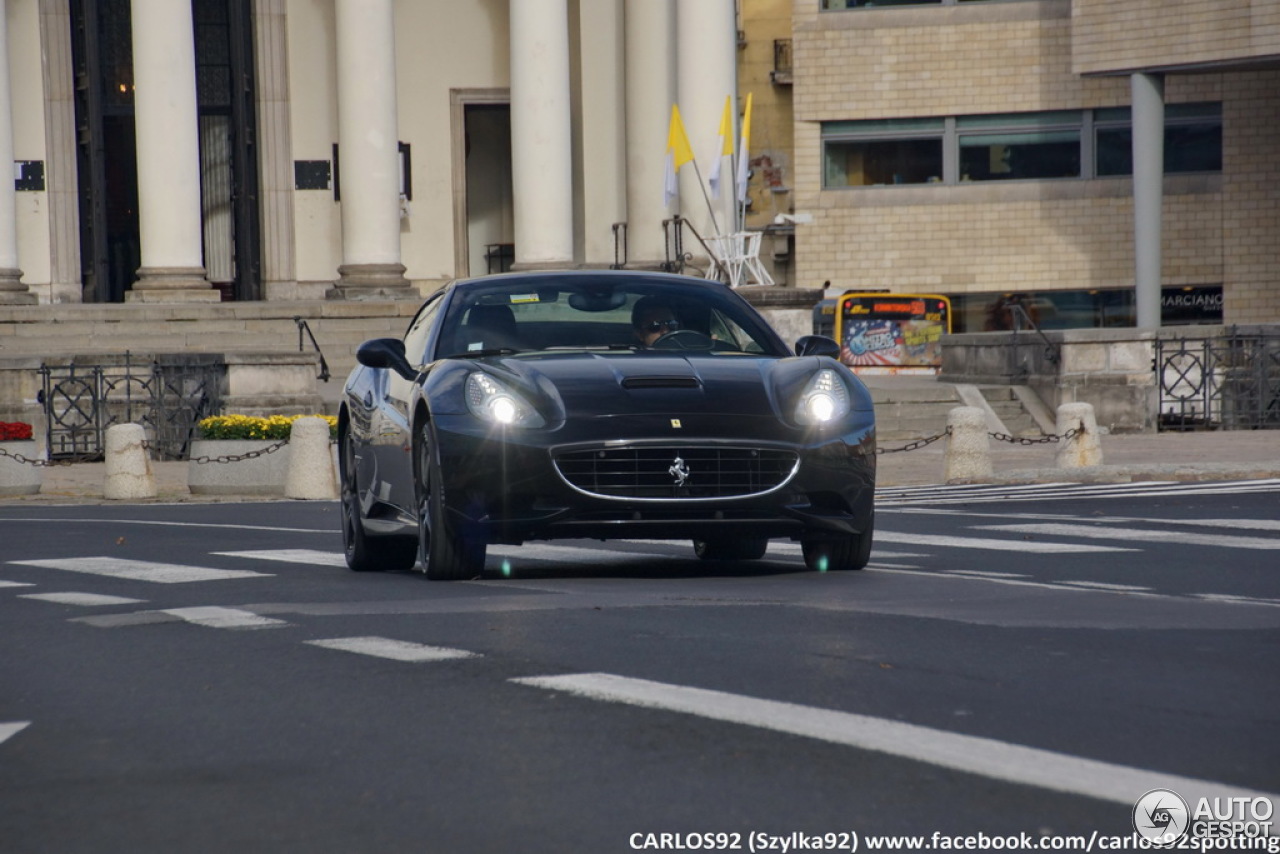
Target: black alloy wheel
{"x":364,"y":553}
{"x":445,"y":554}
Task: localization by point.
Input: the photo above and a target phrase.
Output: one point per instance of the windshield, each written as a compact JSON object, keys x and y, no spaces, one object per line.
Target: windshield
{"x":608,"y":312}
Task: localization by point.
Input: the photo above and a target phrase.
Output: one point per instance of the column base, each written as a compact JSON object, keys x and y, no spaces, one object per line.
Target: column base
{"x":172,"y":284}
{"x":370,"y":282}
{"x":12,"y":291}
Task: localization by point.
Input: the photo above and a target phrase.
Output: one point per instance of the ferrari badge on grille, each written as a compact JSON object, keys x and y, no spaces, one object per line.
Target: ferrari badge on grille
{"x":680,"y":471}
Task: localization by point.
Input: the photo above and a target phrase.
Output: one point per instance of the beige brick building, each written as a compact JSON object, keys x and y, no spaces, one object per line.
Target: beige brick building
{"x":1005,"y":126}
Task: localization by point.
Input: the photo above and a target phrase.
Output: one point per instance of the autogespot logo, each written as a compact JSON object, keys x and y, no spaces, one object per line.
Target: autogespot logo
{"x":1161,"y":816}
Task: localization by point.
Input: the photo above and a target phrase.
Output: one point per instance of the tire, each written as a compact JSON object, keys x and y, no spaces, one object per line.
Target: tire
{"x":443,"y":551}
{"x":750,"y":548}
{"x":362,"y":552}
{"x":831,"y":554}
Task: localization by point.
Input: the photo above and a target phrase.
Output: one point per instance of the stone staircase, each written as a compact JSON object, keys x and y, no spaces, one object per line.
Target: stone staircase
{"x":916,"y":406}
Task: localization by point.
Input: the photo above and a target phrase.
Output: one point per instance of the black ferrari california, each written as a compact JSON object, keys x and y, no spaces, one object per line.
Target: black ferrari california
{"x":600,"y":404}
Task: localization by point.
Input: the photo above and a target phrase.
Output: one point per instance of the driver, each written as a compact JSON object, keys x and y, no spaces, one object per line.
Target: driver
{"x":651,"y":319}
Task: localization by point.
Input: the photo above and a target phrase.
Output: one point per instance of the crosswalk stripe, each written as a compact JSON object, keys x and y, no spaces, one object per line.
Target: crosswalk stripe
{"x":393,"y":649}
{"x":141,"y":570}
{"x":1135,"y":534}
{"x":977,"y":493}
{"x":216,"y":617}
{"x":9,"y":730}
{"x":89,"y":600}
{"x":313,"y":557}
{"x":15,"y":584}
{"x":987,"y":757}
{"x":1026,"y":546}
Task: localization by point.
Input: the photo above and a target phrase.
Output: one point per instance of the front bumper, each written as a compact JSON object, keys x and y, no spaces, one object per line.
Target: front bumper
{"x":505,"y":487}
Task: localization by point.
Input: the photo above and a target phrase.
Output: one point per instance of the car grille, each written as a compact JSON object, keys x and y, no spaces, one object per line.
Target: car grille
{"x":676,"y":472}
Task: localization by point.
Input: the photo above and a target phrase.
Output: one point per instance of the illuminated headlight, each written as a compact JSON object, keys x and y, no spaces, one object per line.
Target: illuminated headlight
{"x":825,"y":399}
{"x":491,"y":401}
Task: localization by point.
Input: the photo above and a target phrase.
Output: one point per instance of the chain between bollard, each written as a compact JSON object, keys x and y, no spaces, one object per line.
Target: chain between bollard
{"x":919,"y":443}
{"x":1043,"y":440}
{"x":236,"y":458}
{"x":23,"y":460}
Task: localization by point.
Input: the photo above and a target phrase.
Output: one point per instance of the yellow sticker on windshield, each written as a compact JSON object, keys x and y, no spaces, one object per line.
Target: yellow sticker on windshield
{"x":515,"y":298}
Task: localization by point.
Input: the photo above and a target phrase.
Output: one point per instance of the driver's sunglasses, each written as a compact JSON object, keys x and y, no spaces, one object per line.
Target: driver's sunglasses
{"x":660,"y":325}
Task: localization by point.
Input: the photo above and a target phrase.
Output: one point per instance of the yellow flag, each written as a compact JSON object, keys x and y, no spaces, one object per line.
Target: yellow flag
{"x":679,"y":152}
{"x":725,"y":148}
{"x":678,"y":140}
{"x":744,"y":159}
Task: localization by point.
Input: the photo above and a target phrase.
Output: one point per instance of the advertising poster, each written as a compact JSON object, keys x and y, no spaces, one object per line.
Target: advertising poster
{"x":892,"y":330}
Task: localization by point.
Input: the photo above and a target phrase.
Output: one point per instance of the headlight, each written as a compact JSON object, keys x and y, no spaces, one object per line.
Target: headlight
{"x":825,"y":399}
{"x":491,"y":401}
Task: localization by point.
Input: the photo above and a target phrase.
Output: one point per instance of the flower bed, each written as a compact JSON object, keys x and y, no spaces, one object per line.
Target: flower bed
{"x":255,"y":427}
{"x":14,"y":431}
{"x":242,"y":454}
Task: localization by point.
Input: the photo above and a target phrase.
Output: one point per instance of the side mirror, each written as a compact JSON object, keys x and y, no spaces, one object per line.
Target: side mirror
{"x":817,"y":345}
{"x":386,"y":353}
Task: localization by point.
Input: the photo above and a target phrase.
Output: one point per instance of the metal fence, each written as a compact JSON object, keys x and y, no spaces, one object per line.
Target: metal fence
{"x":167,"y":397}
{"x":1226,"y":383}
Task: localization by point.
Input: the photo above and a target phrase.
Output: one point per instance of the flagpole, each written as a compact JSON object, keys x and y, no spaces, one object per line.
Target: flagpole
{"x":710,"y":208}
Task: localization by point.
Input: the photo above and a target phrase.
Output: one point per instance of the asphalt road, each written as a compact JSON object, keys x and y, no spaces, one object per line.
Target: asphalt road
{"x":1015,"y":660}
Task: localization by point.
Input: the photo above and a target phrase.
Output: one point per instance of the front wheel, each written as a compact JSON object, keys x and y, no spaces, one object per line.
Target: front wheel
{"x":362,"y":552}
{"x":445,"y":554}
{"x":835,"y":553}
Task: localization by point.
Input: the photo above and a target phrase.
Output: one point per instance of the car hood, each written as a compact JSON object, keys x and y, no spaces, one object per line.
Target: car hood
{"x":578,"y":385}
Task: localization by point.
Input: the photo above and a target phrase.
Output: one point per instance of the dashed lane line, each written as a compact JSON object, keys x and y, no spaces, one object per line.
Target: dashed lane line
{"x":88,"y":600}
{"x":141,"y":570}
{"x":1022,"y":546}
{"x":968,"y":754}
{"x":395,"y":650}
{"x":215,"y":617}
{"x":1098,"y":532}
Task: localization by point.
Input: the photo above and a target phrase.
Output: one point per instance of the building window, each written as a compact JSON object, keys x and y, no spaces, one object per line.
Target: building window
{"x":841,"y":5}
{"x":1013,"y":146}
{"x":1192,"y":139}
{"x":903,"y":151}
{"x":1029,"y":145}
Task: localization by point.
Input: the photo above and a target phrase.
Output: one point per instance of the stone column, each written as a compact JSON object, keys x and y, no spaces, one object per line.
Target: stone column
{"x":541,"y":134}
{"x":706,"y":71}
{"x":368,"y":153}
{"x":650,"y":92}
{"x":168,"y":152}
{"x":12,"y":291}
{"x":1148,"y":194}
{"x":275,"y":147}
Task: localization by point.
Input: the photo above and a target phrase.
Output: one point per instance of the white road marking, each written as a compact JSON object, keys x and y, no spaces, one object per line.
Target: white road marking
{"x":313,"y":557}
{"x":896,"y":496}
{"x":1026,"y":546}
{"x":393,"y":649}
{"x":90,"y":600}
{"x":542,"y":551}
{"x":1102,"y":585}
{"x":1091,"y":532}
{"x":141,"y":570}
{"x":215,"y":617}
{"x":967,"y":754}
{"x":1230,"y":597}
{"x":26,"y":519}
{"x":15,"y":584}
{"x":8,"y":731}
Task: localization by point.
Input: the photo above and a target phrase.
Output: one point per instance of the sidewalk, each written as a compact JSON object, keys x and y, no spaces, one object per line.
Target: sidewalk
{"x":1231,"y":455}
